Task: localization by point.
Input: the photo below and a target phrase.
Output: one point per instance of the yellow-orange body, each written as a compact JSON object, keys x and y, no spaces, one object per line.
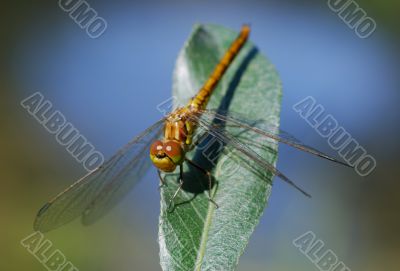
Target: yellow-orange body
{"x":179,"y":128}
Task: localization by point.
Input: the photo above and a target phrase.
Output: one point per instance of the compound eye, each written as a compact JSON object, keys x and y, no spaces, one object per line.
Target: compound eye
{"x":173,"y":150}
{"x":156,"y":147}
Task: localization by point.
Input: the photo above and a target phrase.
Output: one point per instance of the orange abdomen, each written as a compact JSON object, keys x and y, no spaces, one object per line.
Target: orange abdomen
{"x":201,"y":99}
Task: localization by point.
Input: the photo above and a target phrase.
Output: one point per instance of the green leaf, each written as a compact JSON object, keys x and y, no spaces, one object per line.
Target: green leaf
{"x":197,"y":235}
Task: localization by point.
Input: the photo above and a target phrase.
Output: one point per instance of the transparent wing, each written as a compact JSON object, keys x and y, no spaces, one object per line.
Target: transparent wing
{"x":97,"y":192}
{"x":250,"y":155}
{"x":270,"y":132}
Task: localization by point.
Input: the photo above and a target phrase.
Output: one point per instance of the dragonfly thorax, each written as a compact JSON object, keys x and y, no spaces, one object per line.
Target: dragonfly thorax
{"x":179,"y":126}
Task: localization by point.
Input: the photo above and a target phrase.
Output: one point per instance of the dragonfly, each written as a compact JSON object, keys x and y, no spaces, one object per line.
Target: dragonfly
{"x":166,"y":142}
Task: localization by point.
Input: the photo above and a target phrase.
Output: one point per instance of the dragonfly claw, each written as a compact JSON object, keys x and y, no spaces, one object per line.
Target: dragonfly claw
{"x":213,"y":202}
{"x":162,"y":186}
{"x":171,"y":206}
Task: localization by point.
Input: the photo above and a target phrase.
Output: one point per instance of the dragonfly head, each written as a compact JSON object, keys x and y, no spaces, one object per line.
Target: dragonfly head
{"x":166,"y":155}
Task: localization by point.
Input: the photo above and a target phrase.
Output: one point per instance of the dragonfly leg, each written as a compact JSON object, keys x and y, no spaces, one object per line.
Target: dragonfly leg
{"x":171,"y":204}
{"x":162,"y":181}
{"x":206,"y":172}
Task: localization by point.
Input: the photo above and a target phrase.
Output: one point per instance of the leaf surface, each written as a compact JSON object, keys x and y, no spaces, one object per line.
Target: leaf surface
{"x":197,"y":235}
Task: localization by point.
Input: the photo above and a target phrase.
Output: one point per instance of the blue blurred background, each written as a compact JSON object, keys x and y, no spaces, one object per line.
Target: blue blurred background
{"x":109,"y":89}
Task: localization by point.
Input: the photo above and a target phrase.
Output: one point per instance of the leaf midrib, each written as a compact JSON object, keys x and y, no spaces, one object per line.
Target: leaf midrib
{"x":204,"y":235}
